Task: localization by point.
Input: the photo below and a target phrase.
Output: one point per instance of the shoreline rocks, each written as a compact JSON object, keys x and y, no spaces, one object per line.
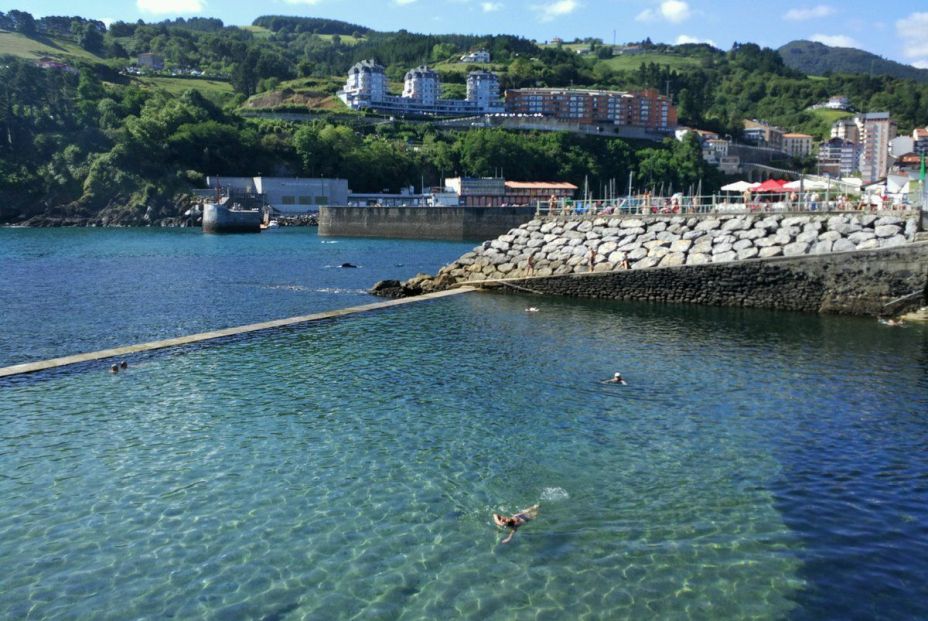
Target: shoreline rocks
{"x":605,"y":244}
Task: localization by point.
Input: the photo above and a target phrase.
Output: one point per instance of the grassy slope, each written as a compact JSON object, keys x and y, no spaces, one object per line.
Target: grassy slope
{"x":15,"y":44}
{"x":213,"y":89}
{"x":633,"y":61}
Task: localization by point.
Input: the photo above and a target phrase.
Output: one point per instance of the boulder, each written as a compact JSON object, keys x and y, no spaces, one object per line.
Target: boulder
{"x":673,"y":259}
{"x":658,"y":252}
{"x":795,"y":249}
{"x":702,"y":247}
{"x":807,"y":237}
{"x":892,"y":242}
{"x":645,"y":263}
{"x":637,"y":254}
{"x":617,"y":257}
{"x":887,"y":230}
{"x":604,"y":267}
{"x":721,"y":249}
{"x":724,"y":257}
{"x":770,"y":251}
{"x":681,"y":245}
{"x":796,"y":221}
{"x":708,"y":225}
{"x":750,"y":234}
{"x":585,"y":226}
{"x":843,"y":245}
{"x":869,"y":244}
{"x":499,"y":245}
{"x":735,"y":224}
{"x":632,"y":223}
{"x":697,"y":258}
{"x":747,"y":253}
{"x":606,"y":248}
{"x":861,"y":236}
{"x":888,"y":221}
{"x":742,"y":244}
{"x":821,"y":247}
{"x":830,"y":236}
{"x":911,"y":228}
{"x":657,"y":227}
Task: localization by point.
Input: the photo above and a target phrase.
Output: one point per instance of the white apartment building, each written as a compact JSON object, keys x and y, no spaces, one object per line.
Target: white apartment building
{"x":839,"y":155}
{"x":421,"y":85}
{"x":845,"y":129}
{"x":366,"y":87}
{"x":920,"y":140}
{"x":876,"y":129}
{"x":797,"y":145}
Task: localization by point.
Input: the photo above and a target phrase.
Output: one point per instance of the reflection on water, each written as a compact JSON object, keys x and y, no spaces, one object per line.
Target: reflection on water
{"x":756,"y":465}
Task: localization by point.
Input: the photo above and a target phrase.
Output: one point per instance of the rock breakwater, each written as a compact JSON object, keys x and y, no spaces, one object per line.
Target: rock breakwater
{"x":559,"y":247}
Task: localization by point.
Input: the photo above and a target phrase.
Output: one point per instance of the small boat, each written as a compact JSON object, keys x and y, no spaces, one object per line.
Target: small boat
{"x":273,"y":224}
{"x":226,"y":216}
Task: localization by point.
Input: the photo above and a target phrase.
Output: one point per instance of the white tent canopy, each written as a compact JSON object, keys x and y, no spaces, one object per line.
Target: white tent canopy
{"x":738,"y":186}
{"x":809,"y":185}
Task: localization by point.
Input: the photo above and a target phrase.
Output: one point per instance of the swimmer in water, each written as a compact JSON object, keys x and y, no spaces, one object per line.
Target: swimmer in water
{"x":114,"y":368}
{"x":514,"y":522}
{"x":531,"y":309}
{"x":616,"y":379}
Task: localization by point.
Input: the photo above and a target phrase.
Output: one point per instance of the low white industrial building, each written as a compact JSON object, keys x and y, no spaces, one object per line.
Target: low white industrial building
{"x":288,"y":195}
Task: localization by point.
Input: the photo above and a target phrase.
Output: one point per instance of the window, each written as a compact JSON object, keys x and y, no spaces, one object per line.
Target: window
{"x":322,"y":200}
{"x":306,"y":200}
{"x":288,"y":200}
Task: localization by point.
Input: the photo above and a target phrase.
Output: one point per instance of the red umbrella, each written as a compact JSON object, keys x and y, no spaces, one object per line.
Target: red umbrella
{"x":771,"y":185}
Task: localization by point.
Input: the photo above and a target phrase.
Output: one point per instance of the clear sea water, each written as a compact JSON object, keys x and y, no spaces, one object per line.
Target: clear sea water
{"x":758,"y":465}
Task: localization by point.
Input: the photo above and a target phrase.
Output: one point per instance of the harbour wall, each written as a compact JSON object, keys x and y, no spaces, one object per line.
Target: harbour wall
{"x":852,"y":263}
{"x":451,"y":223}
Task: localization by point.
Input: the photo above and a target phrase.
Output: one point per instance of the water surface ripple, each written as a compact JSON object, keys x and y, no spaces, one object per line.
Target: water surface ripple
{"x":758,"y":465}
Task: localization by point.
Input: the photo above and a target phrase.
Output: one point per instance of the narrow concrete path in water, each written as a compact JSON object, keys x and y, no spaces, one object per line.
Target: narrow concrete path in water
{"x":54,"y":363}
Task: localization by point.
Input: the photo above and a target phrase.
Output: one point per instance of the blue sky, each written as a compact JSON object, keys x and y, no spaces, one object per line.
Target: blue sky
{"x":895,"y":29}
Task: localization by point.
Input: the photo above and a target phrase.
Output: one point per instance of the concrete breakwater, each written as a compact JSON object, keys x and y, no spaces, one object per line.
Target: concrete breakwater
{"x":456,"y":223}
{"x":841,"y":262}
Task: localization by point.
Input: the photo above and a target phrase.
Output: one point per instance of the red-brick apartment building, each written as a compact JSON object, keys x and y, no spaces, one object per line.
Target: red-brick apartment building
{"x":646,"y":109}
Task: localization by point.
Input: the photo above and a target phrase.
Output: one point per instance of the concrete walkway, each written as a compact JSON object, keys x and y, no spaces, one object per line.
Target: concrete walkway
{"x":54,"y":363}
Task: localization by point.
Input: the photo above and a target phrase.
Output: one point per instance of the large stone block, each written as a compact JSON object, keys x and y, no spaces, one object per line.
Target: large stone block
{"x":697,"y":258}
{"x":724,"y":257}
{"x":736,"y":224}
{"x":887,"y":230}
{"x":632,"y":223}
{"x":673,"y":259}
{"x":708,"y":225}
{"x":795,"y":249}
{"x":617,"y":257}
{"x":770,"y":251}
{"x":892,"y":242}
{"x":645,"y":263}
{"x":637,"y":254}
{"x":747,"y":253}
{"x":821,"y":247}
{"x":681,"y":245}
{"x":887,"y":221}
{"x":607,"y":247}
{"x":721,"y":249}
{"x":831,"y":236}
{"x":807,"y":237}
{"x":843,"y":245}
{"x":869,"y":244}
{"x":742,"y":244}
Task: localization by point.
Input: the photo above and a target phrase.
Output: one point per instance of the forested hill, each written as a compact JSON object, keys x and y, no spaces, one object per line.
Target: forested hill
{"x":815,"y":58}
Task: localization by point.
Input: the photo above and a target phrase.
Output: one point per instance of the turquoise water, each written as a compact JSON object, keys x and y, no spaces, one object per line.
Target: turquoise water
{"x":758,"y":465}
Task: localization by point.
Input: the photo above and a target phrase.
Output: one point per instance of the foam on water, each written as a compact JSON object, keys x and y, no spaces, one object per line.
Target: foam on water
{"x":554,"y":494}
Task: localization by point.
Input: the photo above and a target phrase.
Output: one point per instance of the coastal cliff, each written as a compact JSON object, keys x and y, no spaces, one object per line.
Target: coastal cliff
{"x":840,"y":263}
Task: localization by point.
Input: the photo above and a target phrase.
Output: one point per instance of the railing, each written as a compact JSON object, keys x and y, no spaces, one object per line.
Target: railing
{"x":717,"y":204}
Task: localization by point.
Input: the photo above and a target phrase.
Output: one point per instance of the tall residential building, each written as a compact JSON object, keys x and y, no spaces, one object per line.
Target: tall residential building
{"x":838,"y":157}
{"x":648,"y":109}
{"x":845,"y":129}
{"x":483,"y":90}
{"x":920,"y":140}
{"x":797,"y":145}
{"x":876,"y":130}
{"x":366,"y":87}
{"x":421,"y":85}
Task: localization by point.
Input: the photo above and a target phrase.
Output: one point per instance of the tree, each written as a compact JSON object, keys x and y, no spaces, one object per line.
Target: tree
{"x":23,"y":22}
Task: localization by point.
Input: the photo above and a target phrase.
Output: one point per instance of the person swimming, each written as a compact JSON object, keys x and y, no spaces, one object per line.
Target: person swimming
{"x":513,"y":523}
{"x":616,"y":379}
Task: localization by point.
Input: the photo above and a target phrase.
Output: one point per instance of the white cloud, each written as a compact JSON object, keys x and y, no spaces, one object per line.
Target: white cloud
{"x":834,"y":40}
{"x":309,"y":2}
{"x":912,"y":31}
{"x":489,"y":7}
{"x":553,"y":10}
{"x":674,"y":11}
{"x":172,"y":7}
{"x":682,"y":39}
{"x":815,"y":12}
{"x":403,"y":2}
{"x":921,"y":64}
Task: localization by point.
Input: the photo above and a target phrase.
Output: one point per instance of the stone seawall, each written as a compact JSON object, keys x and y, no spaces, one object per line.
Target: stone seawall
{"x":557,"y":247}
{"x":850,"y":263}
{"x":452,"y":223}
{"x":861,"y":282}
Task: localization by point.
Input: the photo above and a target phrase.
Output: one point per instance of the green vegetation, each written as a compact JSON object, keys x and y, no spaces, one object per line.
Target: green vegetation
{"x":819,"y":59}
{"x":90,"y":142}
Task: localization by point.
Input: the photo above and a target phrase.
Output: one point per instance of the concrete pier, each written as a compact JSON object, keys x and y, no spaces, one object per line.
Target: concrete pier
{"x":454,"y":223}
{"x":54,"y":363}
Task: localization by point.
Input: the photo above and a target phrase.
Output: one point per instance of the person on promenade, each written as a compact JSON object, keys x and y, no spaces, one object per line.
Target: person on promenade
{"x":513,"y":523}
{"x":592,"y":258}
{"x":616,"y":379}
{"x":530,"y":265}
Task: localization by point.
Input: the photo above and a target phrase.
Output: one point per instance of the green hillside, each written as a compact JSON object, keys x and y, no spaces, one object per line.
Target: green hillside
{"x":818,"y":59}
{"x":21,"y":46}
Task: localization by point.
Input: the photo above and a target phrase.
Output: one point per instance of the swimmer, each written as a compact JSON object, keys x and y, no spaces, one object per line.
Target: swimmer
{"x":114,"y":368}
{"x":123,"y":364}
{"x":531,"y":309}
{"x":514,"y":522}
{"x":891,"y":322}
{"x":616,"y":379}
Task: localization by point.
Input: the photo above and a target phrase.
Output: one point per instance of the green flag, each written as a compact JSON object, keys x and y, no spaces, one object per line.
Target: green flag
{"x":921,"y":176}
